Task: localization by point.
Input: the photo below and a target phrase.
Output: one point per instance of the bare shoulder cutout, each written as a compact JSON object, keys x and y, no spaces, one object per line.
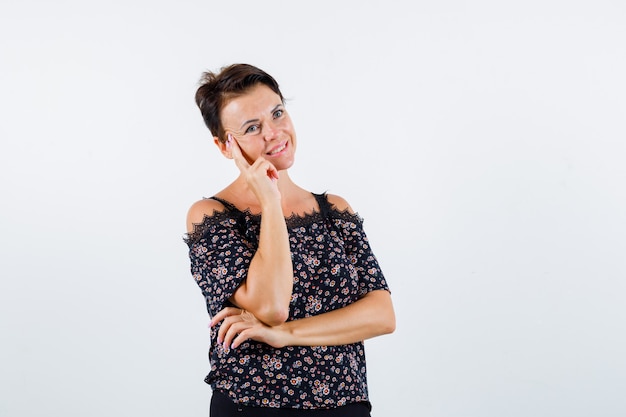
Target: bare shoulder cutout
{"x":339,"y":203}
{"x":201,"y":209}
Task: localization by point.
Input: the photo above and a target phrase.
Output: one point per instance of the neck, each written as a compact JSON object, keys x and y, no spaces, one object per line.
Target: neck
{"x":294,"y":199}
{"x":285,"y":185}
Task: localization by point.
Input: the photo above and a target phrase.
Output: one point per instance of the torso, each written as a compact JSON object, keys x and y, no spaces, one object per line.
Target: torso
{"x":333,"y":267}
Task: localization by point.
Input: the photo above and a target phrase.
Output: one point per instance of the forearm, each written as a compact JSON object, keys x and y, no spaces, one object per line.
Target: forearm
{"x":266,"y":292}
{"x":370,"y":316}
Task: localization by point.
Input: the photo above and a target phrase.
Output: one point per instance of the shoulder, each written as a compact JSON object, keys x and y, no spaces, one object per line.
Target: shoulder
{"x":200,"y":210}
{"x":339,"y":203}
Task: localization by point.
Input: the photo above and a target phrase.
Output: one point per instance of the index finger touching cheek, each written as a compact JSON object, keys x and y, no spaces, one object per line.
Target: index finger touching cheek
{"x":232,"y":146}
{"x":235,"y":152}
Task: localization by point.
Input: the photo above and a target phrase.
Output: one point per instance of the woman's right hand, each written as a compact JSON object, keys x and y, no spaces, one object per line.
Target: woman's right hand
{"x":239,"y":325}
{"x":262,"y":176}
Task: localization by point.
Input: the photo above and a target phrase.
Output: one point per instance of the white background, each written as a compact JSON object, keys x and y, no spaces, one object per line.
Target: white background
{"x":483,"y":142}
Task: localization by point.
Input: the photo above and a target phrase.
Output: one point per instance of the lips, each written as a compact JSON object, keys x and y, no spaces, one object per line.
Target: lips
{"x":278,"y":149}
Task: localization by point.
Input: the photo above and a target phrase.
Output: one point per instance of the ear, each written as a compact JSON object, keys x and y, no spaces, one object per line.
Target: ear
{"x":223,"y":148}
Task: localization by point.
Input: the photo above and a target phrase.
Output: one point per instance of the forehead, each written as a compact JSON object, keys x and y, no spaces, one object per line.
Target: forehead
{"x":256,"y":101}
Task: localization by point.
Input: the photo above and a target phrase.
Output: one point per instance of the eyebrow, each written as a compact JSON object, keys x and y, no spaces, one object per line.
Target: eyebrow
{"x":256,"y":120}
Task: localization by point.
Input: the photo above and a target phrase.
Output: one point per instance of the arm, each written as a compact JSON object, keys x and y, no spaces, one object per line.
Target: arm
{"x":266,"y":291}
{"x":264,"y":279}
{"x":370,"y":316}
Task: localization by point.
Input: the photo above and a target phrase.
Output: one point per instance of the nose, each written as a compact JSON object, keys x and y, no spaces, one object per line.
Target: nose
{"x":269,"y":131}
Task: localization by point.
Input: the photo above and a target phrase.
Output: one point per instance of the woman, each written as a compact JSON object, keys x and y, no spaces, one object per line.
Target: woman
{"x":289,"y":279}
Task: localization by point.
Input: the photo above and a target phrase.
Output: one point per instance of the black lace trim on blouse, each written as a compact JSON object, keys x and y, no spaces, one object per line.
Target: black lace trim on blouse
{"x":244,"y":218}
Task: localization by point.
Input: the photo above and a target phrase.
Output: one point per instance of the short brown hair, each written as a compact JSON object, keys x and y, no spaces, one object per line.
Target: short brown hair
{"x":231,"y":81}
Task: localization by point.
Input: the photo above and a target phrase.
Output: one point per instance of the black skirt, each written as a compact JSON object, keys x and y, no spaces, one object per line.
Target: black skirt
{"x":222,"y":406}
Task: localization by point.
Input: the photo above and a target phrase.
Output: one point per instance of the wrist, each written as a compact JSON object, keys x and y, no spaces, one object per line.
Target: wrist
{"x":271,"y":205}
{"x":284,"y":335}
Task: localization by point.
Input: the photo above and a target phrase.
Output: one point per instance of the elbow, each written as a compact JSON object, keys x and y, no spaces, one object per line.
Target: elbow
{"x":390,"y":325}
{"x":386,"y":319}
{"x":386,"y":323}
{"x":384,"y":314}
{"x":274,"y":316}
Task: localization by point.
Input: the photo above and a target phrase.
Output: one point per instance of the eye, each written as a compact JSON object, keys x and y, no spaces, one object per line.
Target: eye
{"x":252,"y":129}
{"x":278,"y":113}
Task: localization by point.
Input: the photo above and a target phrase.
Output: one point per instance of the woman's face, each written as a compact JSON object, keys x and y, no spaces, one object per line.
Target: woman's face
{"x":261,"y":126}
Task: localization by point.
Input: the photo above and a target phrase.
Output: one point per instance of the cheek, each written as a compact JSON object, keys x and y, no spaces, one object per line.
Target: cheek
{"x":250,"y":153}
{"x":285,"y":123}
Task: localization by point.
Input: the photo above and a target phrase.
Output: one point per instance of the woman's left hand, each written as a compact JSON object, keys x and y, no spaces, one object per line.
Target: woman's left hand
{"x":239,"y":325}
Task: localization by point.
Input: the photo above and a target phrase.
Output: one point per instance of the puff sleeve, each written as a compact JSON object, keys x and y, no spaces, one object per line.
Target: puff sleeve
{"x":220,"y":256}
{"x":359,"y":253}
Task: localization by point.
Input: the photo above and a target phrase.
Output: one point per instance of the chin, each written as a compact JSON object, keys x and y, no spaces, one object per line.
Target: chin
{"x":287,"y":164}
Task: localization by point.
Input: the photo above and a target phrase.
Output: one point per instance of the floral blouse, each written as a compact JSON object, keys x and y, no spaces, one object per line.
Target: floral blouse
{"x":333,"y":266}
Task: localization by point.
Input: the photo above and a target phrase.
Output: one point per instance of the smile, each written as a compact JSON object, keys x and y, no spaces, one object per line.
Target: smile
{"x":278,"y":149}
